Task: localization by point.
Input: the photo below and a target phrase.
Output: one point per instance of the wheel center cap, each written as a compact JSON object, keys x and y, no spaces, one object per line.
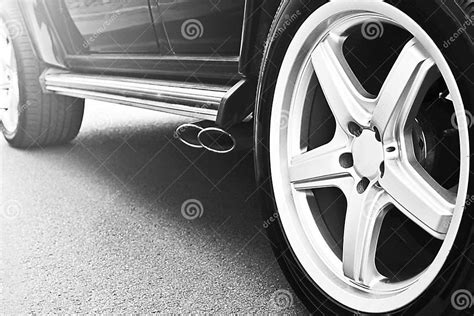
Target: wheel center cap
{"x":368,"y":155}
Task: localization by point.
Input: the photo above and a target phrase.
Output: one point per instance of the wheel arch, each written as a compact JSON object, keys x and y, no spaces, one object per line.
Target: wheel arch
{"x":44,"y":38}
{"x":289,"y":17}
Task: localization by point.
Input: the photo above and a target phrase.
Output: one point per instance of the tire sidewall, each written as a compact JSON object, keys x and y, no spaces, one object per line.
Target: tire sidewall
{"x":8,"y":134}
{"x":440,"y":21}
{"x":45,"y":118}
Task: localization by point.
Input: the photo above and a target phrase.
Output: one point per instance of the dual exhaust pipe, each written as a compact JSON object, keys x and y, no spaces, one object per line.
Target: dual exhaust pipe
{"x":207,"y":136}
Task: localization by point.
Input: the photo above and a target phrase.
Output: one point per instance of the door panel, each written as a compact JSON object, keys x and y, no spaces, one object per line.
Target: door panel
{"x":201,"y":27}
{"x":109,"y":26}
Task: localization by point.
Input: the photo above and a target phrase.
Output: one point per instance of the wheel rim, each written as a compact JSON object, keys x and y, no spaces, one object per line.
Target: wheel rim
{"x":371,"y":157}
{"x":9,"y":89}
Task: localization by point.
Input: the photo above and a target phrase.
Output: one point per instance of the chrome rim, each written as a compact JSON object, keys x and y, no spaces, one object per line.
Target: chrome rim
{"x":373,"y":159}
{"x":9,"y":89}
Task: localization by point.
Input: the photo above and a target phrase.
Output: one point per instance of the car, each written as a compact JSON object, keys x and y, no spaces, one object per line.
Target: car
{"x":359,"y":115}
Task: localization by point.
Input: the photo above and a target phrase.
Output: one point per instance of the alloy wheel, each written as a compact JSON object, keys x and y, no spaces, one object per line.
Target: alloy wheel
{"x":375,"y":156}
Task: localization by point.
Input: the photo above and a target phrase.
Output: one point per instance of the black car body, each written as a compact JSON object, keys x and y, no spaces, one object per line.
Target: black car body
{"x":197,"y":42}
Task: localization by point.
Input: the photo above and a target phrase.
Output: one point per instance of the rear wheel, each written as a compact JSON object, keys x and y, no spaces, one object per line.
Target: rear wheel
{"x":365,"y":150}
{"x":30,"y":117}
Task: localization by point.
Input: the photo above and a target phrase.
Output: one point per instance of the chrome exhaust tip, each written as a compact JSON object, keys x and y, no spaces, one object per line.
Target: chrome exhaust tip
{"x":206,"y":135}
{"x":216,"y":140}
{"x":188,"y":135}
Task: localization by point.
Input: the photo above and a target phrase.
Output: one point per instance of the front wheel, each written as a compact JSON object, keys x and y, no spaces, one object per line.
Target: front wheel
{"x":364,"y":148}
{"x":29,"y":117}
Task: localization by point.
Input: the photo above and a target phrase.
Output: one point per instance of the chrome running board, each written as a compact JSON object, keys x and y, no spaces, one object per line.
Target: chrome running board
{"x":201,"y":101}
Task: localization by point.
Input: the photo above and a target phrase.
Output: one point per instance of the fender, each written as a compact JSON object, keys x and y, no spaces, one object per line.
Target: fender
{"x":45,"y":39}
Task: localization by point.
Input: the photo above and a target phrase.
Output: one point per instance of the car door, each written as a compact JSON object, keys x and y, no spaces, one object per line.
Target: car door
{"x":107,"y":26}
{"x":201,"y":27}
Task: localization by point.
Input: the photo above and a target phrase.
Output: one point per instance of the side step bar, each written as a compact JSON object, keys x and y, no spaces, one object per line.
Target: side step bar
{"x":201,"y":101}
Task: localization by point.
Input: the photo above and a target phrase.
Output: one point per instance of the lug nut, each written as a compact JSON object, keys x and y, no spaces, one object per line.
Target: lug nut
{"x":363,"y":185}
{"x":355,"y":129}
{"x":346,"y":160}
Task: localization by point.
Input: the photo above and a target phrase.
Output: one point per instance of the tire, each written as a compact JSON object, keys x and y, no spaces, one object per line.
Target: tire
{"x":450,"y":288}
{"x":33,"y":118}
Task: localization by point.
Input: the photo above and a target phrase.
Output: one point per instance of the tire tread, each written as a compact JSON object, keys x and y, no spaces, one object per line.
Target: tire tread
{"x":45,"y":119}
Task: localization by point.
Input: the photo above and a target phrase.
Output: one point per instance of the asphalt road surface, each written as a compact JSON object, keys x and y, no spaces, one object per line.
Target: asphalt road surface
{"x":97,"y":226}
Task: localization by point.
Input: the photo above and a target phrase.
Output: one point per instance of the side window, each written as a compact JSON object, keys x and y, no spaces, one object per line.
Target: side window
{"x":202,"y":27}
{"x":108,"y":26}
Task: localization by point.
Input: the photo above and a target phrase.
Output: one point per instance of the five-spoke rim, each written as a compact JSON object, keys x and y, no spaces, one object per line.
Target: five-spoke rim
{"x":371,"y":157}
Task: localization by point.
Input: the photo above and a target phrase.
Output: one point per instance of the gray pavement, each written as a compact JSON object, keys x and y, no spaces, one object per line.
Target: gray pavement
{"x":97,"y":226}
